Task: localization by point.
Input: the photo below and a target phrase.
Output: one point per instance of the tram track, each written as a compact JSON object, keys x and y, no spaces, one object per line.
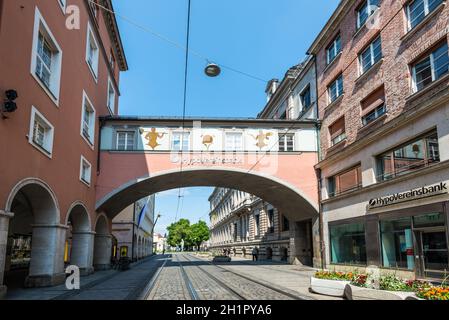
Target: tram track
{"x":239,"y":295}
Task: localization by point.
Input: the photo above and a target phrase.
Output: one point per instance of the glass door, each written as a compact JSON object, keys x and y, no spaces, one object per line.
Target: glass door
{"x":433,"y":253}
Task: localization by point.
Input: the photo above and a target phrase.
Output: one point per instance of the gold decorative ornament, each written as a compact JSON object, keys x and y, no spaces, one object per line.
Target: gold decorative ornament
{"x":262,"y":138}
{"x":152,"y":136}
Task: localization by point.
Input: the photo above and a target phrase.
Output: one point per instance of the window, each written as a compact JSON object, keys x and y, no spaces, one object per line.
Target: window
{"x":94,"y":7}
{"x":346,"y":181}
{"x":63,"y":4}
{"x":411,"y":156}
{"x":46,"y":58}
{"x":371,"y":55}
{"x":92,"y":52}
{"x":233,"y":141}
{"x":305,"y":97}
{"x":417,"y":10}
{"x":257,"y":225}
{"x":181,"y":141}
{"x":285,"y":224}
{"x":430,"y":68}
{"x":337,"y":131}
{"x":125,"y":140}
{"x":333,"y":50}
{"x":271,"y":221}
{"x":111,"y":97}
{"x":88,"y":120}
{"x":397,"y":243}
{"x":373,"y":106}
{"x":365,"y":11}
{"x":347,"y":244}
{"x":286,"y":142}
{"x":41,"y":132}
{"x":335,"y":89}
{"x":112,"y":60}
{"x":85,"y":171}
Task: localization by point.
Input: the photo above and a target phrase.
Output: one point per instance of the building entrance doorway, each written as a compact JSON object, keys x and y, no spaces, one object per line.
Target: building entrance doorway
{"x":432,"y":253}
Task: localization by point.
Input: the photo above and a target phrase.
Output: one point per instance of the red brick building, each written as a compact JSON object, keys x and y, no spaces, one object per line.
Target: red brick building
{"x":382,"y":69}
{"x":65,"y":77}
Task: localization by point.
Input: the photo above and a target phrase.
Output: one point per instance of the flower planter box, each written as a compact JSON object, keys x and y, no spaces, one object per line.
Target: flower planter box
{"x":335,"y":288}
{"x":221,"y":259}
{"x":359,"y":293}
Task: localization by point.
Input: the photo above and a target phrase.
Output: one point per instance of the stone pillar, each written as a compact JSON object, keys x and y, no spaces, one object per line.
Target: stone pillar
{"x":47,"y":256}
{"x":82,"y":251}
{"x":102,"y":252}
{"x":317,"y":244}
{"x":4,"y":226}
{"x":300,"y":243}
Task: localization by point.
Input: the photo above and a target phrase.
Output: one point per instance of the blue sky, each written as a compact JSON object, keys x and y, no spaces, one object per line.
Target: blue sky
{"x":259,"y":37}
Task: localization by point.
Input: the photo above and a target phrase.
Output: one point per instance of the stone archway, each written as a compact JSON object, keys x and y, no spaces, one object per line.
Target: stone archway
{"x":80,"y":238}
{"x":102,"y":244}
{"x":35,"y":246}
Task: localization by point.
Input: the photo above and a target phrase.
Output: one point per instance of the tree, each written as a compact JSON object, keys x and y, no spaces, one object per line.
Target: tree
{"x":179,"y":231}
{"x":199,"y":232}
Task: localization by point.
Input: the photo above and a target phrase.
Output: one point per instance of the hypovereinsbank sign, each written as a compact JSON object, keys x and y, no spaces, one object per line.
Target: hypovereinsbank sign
{"x":414,"y":194}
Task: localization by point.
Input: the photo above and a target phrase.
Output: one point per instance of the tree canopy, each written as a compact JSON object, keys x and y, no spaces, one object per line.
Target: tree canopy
{"x":192,"y":234}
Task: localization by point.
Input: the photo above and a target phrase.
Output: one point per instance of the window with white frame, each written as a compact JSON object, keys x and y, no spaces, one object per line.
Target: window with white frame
{"x":88,"y":120}
{"x":63,"y":4}
{"x":233,"y":141}
{"x":112,"y":60}
{"x":125,"y":140}
{"x":335,"y":89}
{"x":430,"y":68}
{"x":41,"y":132}
{"x":111,"y":97}
{"x":366,"y":9}
{"x":417,"y":10}
{"x":181,"y":141}
{"x":333,"y":49}
{"x":286,"y":142}
{"x":46,"y":58}
{"x":371,"y":55}
{"x":92,"y":52}
{"x":85,"y":171}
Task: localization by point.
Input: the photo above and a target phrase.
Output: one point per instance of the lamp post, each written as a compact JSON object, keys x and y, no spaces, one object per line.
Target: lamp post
{"x":152,"y":231}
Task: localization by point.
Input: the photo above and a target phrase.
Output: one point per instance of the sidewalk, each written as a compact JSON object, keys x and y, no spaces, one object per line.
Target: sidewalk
{"x":279,"y":274}
{"x":108,"y":284}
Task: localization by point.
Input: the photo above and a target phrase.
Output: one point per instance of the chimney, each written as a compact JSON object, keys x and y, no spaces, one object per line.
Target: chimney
{"x":271,"y":88}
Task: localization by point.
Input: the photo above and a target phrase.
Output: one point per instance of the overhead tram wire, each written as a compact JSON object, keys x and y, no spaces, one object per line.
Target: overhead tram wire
{"x":176,"y":44}
{"x":187,"y":49}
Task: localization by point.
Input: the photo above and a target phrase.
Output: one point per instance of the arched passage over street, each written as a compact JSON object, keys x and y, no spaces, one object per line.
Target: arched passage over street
{"x":295,"y":204}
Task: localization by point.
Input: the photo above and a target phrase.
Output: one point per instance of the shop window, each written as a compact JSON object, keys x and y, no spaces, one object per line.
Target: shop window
{"x":414,"y":155}
{"x":347,"y":244}
{"x":373,"y":106}
{"x":346,"y":181}
{"x":397,"y":243}
{"x":429,"y":220}
{"x":431,"y":68}
{"x":337,"y":131}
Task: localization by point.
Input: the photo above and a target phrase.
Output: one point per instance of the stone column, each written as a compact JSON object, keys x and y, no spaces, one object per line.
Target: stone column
{"x":102,"y":252}
{"x":47,"y":256}
{"x":4,"y":226}
{"x":300,"y":246}
{"x":82,"y":251}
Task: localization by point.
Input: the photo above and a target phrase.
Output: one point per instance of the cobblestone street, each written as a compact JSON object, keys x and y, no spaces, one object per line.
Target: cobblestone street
{"x":186,"y":277}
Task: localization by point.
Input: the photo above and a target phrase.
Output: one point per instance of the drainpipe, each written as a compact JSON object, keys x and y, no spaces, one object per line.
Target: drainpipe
{"x":134,"y":221}
{"x":102,"y":122}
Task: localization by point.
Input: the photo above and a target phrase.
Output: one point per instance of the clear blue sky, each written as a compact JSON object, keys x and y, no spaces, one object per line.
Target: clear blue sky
{"x":260,"y":37}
